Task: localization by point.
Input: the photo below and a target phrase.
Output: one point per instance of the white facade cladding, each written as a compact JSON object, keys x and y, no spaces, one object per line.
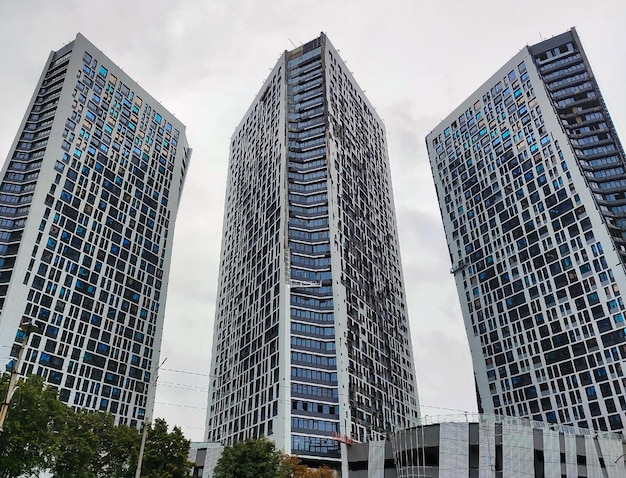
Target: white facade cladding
{"x":204,"y":456}
{"x":88,"y":202}
{"x":517,"y":437}
{"x":454,"y":440}
{"x":530,"y":177}
{"x":312,"y":338}
{"x":495,"y":447}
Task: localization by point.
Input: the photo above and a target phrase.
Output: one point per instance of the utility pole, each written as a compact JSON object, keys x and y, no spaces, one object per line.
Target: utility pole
{"x":146,"y":424}
{"x":27,"y":328}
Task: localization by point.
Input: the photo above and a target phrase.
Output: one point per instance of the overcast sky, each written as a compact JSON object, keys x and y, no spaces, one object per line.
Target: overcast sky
{"x":205,"y":61}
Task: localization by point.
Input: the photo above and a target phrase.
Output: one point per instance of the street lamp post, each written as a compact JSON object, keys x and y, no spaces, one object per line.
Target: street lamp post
{"x":27,"y":328}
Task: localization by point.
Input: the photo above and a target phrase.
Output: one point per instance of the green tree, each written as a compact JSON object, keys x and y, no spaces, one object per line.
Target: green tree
{"x":42,"y":434}
{"x":91,"y":446}
{"x":75,"y":449}
{"x":31,"y":429}
{"x":119,"y":449}
{"x":166,"y":453}
{"x":252,"y":458}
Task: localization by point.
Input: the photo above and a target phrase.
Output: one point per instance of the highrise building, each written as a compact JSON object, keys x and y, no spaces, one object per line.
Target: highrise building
{"x":311,"y":334}
{"x":88,"y":202}
{"x":531,"y":181}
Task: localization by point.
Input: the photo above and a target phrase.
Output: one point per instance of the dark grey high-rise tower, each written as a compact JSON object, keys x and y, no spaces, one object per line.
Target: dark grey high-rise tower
{"x":531,"y":180}
{"x":88,"y":202}
{"x":312,"y":345}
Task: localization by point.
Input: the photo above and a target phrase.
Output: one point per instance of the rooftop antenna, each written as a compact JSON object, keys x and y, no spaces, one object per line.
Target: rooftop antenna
{"x":292,"y":43}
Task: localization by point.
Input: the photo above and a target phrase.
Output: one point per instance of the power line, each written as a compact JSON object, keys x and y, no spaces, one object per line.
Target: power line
{"x":183,"y":386}
{"x":206,"y":390}
{"x":181,"y":406}
{"x":444,"y":408}
{"x":189,"y":373}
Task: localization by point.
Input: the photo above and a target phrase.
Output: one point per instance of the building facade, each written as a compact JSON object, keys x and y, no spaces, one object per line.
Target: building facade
{"x":311,"y":345}
{"x":88,"y":202}
{"x":204,"y":457}
{"x":490,"y":447}
{"x":531,"y":181}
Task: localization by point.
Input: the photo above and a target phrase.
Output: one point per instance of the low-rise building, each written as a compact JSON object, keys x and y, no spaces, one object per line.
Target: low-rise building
{"x":489,"y":446}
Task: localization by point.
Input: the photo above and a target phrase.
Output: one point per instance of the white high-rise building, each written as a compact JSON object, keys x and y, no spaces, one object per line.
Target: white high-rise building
{"x":88,"y":202}
{"x":312,"y":345}
{"x":531,"y":180}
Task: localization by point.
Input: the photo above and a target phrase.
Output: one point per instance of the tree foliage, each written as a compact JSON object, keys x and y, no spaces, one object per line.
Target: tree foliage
{"x":91,"y":446}
{"x":259,"y":458}
{"x":252,"y":458}
{"x":166,"y":453}
{"x":42,"y":434}
{"x":290,"y":467}
{"x":31,"y":428}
